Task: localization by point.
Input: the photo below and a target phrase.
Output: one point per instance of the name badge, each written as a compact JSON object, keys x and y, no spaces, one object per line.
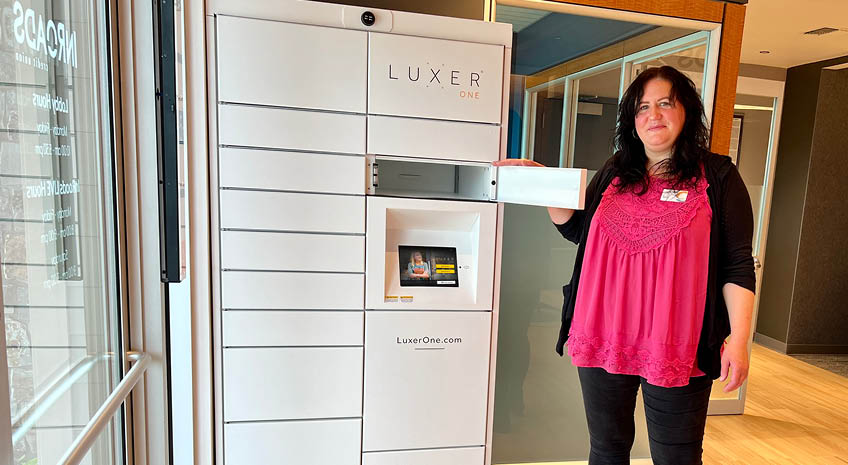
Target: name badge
{"x":672,"y":195}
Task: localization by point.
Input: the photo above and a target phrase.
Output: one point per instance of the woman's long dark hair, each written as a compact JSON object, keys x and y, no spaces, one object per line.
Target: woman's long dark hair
{"x":630,"y":159}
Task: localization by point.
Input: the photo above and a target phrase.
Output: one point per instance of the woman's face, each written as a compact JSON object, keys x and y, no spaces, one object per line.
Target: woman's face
{"x":659,"y":119}
{"x":417,"y":257}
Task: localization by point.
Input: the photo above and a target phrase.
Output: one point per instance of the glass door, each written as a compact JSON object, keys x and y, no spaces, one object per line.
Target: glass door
{"x":58,"y":248}
{"x":753,"y":150}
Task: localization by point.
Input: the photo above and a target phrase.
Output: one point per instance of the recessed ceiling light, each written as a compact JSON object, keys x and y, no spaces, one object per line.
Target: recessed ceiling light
{"x":765,"y":52}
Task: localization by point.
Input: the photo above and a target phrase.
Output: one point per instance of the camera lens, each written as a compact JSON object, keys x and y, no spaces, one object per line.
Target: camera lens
{"x":368,"y":18}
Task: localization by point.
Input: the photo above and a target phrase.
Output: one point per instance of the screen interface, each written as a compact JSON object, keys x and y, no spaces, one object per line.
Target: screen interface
{"x":428,"y":266}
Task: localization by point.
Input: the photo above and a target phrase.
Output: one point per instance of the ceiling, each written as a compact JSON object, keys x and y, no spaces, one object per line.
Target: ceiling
{"x":519,"y":17}
{"x":778,"y":26}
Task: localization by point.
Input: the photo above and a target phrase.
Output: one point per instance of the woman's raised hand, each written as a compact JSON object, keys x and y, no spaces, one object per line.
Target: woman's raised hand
{"x":516,"y":162}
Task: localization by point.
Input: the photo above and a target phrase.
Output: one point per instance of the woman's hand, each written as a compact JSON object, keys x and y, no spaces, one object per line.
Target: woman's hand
{"x":517,"y":162}
{"x":734,"y":359}
{"x":740,"y":307}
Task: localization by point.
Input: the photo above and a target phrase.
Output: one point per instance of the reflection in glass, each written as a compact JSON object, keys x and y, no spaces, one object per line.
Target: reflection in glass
{"x":56,"y":224}
{"x":690,"y":61}
{"x":594,"y":117}
{"x":546,"y":121}
{"x":539,"y":413}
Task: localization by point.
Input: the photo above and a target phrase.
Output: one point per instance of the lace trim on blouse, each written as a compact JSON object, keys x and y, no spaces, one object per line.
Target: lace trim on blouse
{"x":624,"y":359}
{"x":639,"y":223}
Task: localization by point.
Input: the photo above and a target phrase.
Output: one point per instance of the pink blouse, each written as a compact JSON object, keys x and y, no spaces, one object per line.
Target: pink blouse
{"x":643,"y":286}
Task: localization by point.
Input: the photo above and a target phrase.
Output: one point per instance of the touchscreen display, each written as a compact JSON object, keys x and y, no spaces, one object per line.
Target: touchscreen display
{"x":428,"y":266}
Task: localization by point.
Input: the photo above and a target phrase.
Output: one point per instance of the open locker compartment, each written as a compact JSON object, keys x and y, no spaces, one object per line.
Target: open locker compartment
{"x":430,"y":178}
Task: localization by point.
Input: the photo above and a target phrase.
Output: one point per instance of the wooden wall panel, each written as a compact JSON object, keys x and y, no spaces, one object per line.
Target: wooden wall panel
{"x":728,"y":73}
{"x":704,"y":10}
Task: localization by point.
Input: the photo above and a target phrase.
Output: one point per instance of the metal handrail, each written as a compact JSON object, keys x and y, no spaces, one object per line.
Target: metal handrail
{"x":104,"y":414}
{"x":55,"y":388}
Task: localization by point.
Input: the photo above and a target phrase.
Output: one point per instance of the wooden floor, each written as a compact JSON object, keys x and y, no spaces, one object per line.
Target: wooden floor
{"x":795,"y":413}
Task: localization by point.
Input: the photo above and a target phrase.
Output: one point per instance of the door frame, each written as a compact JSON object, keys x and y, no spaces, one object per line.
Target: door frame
{"x":144,"y":297}
{"x":772,"y":89}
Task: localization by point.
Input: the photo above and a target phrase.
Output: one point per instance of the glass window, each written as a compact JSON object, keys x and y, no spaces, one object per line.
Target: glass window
{"x":566,"y":78}
{"x":57,"y":242}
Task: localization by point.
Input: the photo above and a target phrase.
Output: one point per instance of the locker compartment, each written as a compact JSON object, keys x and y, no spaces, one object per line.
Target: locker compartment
{"x":461,"y":456}
{"x":449,"y":140}
{"x":464,"y":180}
{"x":429,"y":179}
{"x":280,"y":128}
{"x":292,"y":328}
{"x":292,"y":383}
{"x":256,"y":290}
{"x":287,"y":211}
{"x":426,"y":379}
{"x":398,"y":226}
{"x":317,"y":442}
{"x":292,"y":171}
{"x":285,"y":64}
{"x":256,"y":250}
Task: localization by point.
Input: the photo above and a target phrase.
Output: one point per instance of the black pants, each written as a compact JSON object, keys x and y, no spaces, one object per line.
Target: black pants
{"x":676,"y":417}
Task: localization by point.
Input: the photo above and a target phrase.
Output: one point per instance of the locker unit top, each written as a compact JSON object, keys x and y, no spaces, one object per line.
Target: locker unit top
{"x":422,"y":96}
{"x":366,"y":19}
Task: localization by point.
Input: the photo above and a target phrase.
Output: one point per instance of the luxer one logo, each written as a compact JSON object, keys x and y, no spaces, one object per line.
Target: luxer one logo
{"x":429,"y":75}
{"x":49,"y":37}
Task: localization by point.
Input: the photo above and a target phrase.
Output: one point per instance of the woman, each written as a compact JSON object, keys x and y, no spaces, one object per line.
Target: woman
{"x":663,"y":276}
{"x":417,"y":267}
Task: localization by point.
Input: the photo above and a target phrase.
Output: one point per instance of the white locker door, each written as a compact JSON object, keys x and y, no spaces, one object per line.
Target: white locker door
{"x":455,"y":456}
{"x":545,"y":187}
{"x":426,"y":380}
{"x":314,"y":442}
{"x":291,"y":65}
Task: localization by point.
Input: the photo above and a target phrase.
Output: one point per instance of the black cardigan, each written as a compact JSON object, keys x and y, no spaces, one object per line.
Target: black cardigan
{"x":730,"y":259}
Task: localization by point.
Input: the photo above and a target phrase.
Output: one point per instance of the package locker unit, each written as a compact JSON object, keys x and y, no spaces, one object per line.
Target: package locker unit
{"x":342,"y":138}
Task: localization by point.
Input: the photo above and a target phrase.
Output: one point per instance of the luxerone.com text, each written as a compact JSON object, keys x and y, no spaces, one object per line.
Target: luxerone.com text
{"x":429,"y":340}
